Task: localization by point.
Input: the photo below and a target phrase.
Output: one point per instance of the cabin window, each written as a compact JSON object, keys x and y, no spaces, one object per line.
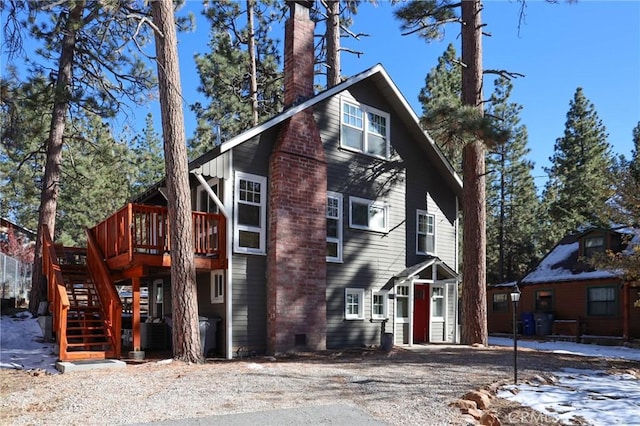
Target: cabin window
{"x":602,"y":301}
{"x":402,"y":302}
{"x":217,"y":287}
{"x":379,"y":305}
{"x":593,"y":245}
{"x":500,"y":302}
{"x":334,"y":227}
{"x":354,"y":303}
{"x":250,"y":213}
{"x":365,"y":129}
{"x":367,"y":215}
{"x":544,"y":301}
{"x":426,"y":241}
{"x":205,"y":203}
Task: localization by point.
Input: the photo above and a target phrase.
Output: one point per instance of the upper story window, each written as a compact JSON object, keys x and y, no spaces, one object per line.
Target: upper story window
{"x":334,"y":227}
{"x":204,"y":202}
{"x":250,"y":213}
{"x":365,"y":129}
{"x":368,"y":215}
{"x":593,"y":245}
{"x":426,"y":233}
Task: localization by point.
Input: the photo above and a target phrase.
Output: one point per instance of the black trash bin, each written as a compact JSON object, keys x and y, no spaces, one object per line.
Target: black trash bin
{"x":208,"y":334}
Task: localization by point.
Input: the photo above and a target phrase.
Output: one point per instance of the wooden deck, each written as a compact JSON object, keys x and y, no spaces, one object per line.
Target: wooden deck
{"x":139,"y":236}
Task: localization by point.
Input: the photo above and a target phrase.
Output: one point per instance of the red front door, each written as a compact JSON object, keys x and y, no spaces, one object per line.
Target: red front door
{"x":421,"y":313}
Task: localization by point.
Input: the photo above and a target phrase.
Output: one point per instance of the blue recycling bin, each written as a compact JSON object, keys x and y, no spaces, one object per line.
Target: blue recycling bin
{"x":528,"y":324}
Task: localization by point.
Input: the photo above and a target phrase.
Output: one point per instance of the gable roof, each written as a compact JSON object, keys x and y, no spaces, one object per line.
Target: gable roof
{"x":563,"y":263}
{"x":378,"y":76}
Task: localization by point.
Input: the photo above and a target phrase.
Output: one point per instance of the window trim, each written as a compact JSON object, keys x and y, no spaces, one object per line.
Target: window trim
{"x":589,"y":251}
{"x":402,"y":291}
{"x":217,"y":287}
{"x":340,"y":218}
{"x":443,"y":300}
{"x":385,"y":305}
{"x":360,"y":293}
{"x":616,"y":301}
{"x":366,"y":109}
{"x":262,"y":230}
{"x":370,"y":203}
{"x":418,"y":233}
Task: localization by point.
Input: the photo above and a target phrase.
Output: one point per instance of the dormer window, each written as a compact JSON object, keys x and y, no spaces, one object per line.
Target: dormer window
{"x":593,"y":245}
{"x":365,"y":129}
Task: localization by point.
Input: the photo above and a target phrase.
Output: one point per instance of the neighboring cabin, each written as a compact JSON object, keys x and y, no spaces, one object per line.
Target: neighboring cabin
{"x":567,"y":298}
{"x":320,"y":228}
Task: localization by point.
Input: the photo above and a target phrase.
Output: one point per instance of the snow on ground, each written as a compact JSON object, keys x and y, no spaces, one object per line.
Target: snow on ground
{"x":22,"y":345}
{"x":594,"y":396}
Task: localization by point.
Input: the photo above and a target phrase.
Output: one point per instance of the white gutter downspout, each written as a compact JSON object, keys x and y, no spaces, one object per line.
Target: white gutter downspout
{"x":456,"y":337}
{"x":228,"y":275}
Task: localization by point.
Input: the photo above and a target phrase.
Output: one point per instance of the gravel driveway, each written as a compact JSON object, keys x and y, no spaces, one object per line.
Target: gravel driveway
{"x":403,"y":387}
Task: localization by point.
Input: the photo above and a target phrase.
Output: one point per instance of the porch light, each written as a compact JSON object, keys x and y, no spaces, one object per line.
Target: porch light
{"x":515,"y":298}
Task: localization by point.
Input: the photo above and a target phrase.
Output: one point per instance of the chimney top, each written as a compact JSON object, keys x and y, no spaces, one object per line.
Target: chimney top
{"x":299,"y":6}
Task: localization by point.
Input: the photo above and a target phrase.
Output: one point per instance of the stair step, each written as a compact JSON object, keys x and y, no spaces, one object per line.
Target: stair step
{"x":86,"y":344}
{"x":85,"y":328}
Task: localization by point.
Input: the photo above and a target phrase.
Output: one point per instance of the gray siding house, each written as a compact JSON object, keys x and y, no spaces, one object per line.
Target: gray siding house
{"x":342,"y":220}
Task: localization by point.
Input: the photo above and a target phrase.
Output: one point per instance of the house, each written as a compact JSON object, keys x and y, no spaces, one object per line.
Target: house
{"x":326,"y":226}
{"x":565,"y":297}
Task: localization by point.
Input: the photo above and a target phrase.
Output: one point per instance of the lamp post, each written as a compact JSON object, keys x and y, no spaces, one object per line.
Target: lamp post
{"x":515,"y":297}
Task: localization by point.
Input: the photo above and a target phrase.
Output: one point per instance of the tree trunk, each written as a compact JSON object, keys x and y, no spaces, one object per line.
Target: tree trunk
{"x":184,"y":304}
{"x":51,"y":179}
{"x":332,"y":38}
{"x":252,"y":62}
{"x":474,"y":291}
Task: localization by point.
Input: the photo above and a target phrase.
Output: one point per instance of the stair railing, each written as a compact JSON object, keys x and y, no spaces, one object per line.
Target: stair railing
{"x":57,"y":292}
{"x":109,"y":299}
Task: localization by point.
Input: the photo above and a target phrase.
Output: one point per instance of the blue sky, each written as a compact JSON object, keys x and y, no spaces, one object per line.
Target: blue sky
{"x":590,"y":44}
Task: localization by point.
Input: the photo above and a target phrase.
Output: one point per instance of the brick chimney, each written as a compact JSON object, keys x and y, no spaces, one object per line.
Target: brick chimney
{"x":296,"y":259}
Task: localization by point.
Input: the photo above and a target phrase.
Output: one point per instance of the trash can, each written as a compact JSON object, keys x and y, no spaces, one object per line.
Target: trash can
{"x":528,"y":324}
{"x":543,"y":324}
{"x":205,"y":325}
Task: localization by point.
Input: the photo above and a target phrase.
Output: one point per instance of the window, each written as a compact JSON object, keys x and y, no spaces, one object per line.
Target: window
{"x":205,"y":203}
{"x":500,"y":302}
{"x":365,"y":129}
{"x":402,"y":302}
{"x":602,"y":301}
{"x":544,"y":301}
{"x":379,"y":305}
{"x":354,"y":303}
{"x":437,"y":302}
{"x":217,"y":287}
{"x":367,"y":214}
{"x":334,"y":227}
{"x":250,"y":213}
{"x":426,"y":233}
{"x":158,"y":295}
{"x":593,"y":245}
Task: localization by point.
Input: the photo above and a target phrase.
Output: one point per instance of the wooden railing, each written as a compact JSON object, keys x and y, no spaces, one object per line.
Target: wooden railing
{"x":109,"y":300}
{"x":57,"y":293}
{"x":138,"y":228}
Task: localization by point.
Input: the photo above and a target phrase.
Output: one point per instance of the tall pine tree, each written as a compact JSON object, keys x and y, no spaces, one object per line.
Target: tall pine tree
{"x":512,"y":202}
{"x":580,"y":180}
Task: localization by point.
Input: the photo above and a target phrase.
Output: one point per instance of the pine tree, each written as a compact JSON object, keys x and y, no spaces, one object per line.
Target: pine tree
{"x":148,"y":158}
{"x":580,"y":181}
{"x":225,"y":72}
{"x":443,"y":88}
{"x":512,"y":203}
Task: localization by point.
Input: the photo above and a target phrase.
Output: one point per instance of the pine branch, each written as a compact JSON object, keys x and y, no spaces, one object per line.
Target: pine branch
{"x":504,"y":73}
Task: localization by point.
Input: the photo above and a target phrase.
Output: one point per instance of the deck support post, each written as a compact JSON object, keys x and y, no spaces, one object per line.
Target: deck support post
{"x":135,"y":321}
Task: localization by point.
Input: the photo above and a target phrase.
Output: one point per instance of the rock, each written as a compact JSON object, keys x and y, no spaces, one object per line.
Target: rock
{"x":464,"y":404}
{"x":469,"y":420}
{"x":476,"y":414}
{"x":481,"y":399}
{"x":487,"y":392}
{"x":489,"y":419}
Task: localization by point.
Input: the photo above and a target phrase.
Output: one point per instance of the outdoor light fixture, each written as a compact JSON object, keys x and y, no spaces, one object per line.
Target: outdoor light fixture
{"x":515,"y":298}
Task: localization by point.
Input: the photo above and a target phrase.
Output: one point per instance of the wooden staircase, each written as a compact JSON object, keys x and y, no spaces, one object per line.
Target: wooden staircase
{"x":86,"y":309}
{"x":86,"y":332}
